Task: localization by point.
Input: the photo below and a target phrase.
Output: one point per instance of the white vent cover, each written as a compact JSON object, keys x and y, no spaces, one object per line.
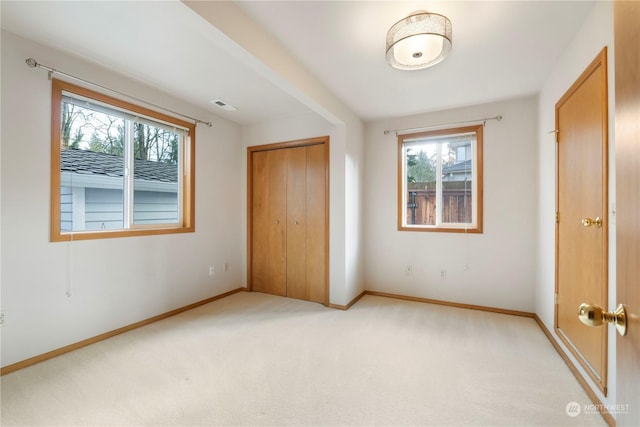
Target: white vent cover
{"x":223,"y":105}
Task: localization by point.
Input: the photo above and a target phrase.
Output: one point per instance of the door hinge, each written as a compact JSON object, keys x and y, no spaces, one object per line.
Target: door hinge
{"x":555,"y":299}
{"x":557,"y":217}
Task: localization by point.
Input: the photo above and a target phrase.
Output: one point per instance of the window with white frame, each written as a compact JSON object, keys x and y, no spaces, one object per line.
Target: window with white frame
{"x":118,"y":169}
{"x":440,"y":180}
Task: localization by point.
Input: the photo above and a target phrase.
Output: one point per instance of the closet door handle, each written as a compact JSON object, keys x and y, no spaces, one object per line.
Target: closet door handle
{"x":277,"y":222}
{"x":588,"y":222}
{"x":297,"y":223}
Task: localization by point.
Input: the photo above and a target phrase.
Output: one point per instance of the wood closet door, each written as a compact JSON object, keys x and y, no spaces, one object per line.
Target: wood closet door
{"x":288,"y":222}
{"x":297,"y":223}
{"x":306,"y":223}
{"x":269,"y":221}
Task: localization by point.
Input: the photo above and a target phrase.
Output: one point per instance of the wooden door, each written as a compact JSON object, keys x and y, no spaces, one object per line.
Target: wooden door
{"x":317,"y":230}
{"x":296,"y":223}
{"x":288,"y":226}
{"x":627,"y":146}
{"x":581,"y":225}
{"x":268,"y":222}
{"x":306,"y":232}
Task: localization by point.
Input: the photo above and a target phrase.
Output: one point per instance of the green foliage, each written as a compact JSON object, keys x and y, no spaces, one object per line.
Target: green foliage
{"x":420,"y":167}
{"x":77,"y":138}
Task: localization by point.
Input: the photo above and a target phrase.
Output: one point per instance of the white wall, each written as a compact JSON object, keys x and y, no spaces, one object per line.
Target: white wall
{"x":501,"y":260}
{"x":113,"y":282}
{"x":259,"y":50}
{"x":596,"y":32}
{"x":355,"y":183}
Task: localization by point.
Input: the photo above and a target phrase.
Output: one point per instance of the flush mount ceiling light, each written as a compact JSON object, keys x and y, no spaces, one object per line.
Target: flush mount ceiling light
{"x":418,"y":41}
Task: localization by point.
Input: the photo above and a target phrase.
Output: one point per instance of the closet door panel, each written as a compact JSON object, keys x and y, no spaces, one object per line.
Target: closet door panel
{"x":276,"y":249}
{"x":289,"y":247}
{"x":296,"y":223}
{"x":316,"y":224}
{"x":260,"y":222}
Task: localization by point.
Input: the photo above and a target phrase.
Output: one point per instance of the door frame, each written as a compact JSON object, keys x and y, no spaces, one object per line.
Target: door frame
{"x":627,"y":149}
{"x":321,"y":140}
{"x":599,"y":61}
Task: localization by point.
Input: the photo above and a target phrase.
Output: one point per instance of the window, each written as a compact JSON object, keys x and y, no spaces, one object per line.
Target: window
{"x":440,"y":180}
{"x":117,"y":169}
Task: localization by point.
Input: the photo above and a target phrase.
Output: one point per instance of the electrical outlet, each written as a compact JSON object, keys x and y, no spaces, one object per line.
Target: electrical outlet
{"x":212,"y":270}
{"x":408,"y":270}
{"x":443,"y":273}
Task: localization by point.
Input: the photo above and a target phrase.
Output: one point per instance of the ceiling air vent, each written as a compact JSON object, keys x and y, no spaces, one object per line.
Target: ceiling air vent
{"x":224,"y":105}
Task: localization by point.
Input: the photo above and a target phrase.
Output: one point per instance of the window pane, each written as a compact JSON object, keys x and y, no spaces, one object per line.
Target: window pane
{"x":457,"y":176}
{"x":156,"y":175}
{"x":421,"y":166}
{"x":91,"y":169}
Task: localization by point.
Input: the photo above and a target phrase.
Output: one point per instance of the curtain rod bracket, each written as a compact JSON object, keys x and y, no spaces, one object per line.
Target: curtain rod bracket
{"x":32,"y":63}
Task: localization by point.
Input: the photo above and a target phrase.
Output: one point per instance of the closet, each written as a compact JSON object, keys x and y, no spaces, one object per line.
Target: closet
{"x":288,"y":219}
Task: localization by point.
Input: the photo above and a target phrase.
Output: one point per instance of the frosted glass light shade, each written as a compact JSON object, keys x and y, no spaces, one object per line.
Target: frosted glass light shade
{"x":418,"y":41}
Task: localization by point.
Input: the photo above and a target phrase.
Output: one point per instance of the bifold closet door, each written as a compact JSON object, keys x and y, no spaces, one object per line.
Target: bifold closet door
{"x":306,"y":223}
{"x":269,"y":225}
{"x":288,"y":214}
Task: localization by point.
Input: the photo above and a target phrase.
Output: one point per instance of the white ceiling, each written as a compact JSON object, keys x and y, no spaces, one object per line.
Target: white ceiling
{"x":501,"y":49}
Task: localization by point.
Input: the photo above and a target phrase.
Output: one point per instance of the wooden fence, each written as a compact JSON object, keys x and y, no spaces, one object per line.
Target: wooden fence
{"x":421,"y":204}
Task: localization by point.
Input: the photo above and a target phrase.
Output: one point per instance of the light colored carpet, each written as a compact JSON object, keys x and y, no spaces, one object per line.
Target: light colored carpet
{"x":256,"y":359}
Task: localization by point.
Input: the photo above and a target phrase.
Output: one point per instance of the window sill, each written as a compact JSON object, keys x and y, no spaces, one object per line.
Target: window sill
{"x":433,"y":229}
{"x":108,"y":234}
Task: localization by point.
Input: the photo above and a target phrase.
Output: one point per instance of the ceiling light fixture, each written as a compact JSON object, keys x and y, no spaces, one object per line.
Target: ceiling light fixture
{"x":418,"y":41}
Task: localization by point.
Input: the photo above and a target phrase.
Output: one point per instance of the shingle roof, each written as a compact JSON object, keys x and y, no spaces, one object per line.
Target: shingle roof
{"x":458,"y":167}
{"x":91,"y":162}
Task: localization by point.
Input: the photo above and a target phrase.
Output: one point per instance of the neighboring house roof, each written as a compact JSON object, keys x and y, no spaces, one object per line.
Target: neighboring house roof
{"x":458,"y":167}
{"x":93,"y":163}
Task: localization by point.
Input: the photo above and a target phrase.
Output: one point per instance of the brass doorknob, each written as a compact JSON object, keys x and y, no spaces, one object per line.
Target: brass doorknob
{"x":593,"y":315}
{"x":588,"y":222}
